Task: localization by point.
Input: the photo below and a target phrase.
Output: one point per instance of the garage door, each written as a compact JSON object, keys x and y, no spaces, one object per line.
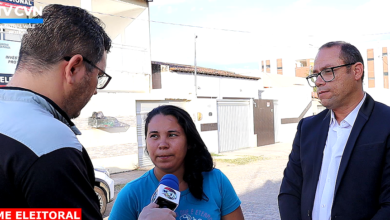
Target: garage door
{"x":234,"y":124}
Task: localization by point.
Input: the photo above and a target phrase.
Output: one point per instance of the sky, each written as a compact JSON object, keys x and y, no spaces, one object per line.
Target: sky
{"x":236,"y":35}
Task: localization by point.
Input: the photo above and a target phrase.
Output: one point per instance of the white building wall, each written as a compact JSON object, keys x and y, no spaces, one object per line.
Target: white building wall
{"x":129,"y":65}
{"x":288,"y":66}
{"x":210,"y":89}
{"x":237,"y":87}
{"x":288,"y":55}
{"x":208,"y":110}
{"x":208,"y":86}
{"x":292,"y":101}
{"x":378,"y":67}
{"x":129,"y":61}
{"x":379,"y":93}
{"x":274,"y":66}
{"x":173,"y":83}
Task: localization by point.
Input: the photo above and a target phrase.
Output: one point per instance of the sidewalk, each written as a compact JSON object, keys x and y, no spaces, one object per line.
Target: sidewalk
{"x":270,"y":151}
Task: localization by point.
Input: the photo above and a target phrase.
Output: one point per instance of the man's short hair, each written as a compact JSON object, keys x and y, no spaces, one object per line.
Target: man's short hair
{"x":65,"y":31}
{"x":348,"y":52}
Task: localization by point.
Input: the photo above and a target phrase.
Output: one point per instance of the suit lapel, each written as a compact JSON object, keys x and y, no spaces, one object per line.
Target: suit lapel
{"x":321,"y":141}
{"x":319,"y":151}
{"x":361,"y":119}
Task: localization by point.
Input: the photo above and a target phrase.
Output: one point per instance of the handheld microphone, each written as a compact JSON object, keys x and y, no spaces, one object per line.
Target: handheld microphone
{"x":167,"y":194}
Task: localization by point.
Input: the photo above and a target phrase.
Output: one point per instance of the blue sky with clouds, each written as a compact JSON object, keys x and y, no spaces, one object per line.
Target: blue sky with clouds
{"x":272,"y":25}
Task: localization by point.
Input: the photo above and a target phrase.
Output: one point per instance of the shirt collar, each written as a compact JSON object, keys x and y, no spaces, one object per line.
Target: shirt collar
{"x":351,"y":117}
{"x":25,"y":95}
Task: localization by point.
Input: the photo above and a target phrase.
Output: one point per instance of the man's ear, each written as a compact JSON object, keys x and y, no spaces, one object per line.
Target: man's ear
{"x":358,"y":70}
{"x":73,"y":69}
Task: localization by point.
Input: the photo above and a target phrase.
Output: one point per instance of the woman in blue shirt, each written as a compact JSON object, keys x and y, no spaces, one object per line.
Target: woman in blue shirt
{"x":175,"y":147}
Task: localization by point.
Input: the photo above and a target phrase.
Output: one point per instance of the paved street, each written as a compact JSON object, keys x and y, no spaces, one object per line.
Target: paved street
{"x":257,"y":183}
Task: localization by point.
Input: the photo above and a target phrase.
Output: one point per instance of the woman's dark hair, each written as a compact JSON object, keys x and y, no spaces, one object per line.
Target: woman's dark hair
{"x":198,"y":159}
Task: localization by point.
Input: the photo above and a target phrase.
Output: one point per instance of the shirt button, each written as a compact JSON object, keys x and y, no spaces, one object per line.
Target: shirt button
{"x":323,"y":205}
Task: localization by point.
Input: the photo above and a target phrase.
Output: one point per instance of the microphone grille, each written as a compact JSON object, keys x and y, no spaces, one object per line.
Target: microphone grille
{"x":170,"y":180}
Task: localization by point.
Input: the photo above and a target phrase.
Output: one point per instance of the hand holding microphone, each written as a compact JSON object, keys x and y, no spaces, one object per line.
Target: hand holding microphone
{"x":152,"y":212}
{"x":167,"y":194}
{"x":164,"y":200}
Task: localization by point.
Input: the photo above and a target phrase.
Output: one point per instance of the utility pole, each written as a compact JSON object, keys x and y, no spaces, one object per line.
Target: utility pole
{"x":196,"y":83}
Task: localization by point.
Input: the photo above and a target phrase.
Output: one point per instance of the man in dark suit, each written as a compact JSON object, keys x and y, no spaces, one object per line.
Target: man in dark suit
{"x":339,"y":166}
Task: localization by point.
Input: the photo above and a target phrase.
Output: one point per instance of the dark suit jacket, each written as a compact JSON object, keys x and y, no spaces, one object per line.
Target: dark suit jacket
{"x":363,"y":181}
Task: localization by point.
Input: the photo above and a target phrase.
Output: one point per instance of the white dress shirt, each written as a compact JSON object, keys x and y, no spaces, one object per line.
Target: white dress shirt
{"x":338,"y":135}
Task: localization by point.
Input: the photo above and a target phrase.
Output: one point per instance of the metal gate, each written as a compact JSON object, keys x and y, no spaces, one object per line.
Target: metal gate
{"x":263,"y":115}
{"x":234,"y":125}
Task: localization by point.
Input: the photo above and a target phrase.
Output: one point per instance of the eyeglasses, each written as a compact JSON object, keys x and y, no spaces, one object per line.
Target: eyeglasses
{"x":103,"y":78}
{"x":326,"y":74}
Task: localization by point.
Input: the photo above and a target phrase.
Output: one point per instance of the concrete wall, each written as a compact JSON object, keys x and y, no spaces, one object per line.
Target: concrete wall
{"x":208,"y":86}
{"x":129,"y":60}
{"x":208,"y":110}
{"x":173,"y":83}
{"x":236,"y":87}
{"x":291,"y":103}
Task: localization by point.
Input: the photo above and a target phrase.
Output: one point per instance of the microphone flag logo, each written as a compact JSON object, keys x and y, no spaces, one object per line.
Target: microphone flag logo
{"x":169,"y":193}
{"x":154,"y":196}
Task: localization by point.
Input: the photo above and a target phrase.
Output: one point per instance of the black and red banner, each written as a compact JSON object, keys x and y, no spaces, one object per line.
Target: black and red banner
{"x":42,"y":214}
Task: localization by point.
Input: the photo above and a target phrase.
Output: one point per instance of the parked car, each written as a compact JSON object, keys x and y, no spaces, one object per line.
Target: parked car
{"x":104,"y":187}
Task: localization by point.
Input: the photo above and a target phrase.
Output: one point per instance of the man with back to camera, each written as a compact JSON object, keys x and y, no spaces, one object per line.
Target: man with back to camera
{"x":60,"y":67}
{"x":339,"y":166}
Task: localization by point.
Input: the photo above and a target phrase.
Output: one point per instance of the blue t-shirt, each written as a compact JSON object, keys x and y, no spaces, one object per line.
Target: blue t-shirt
{"x":217,"y":187}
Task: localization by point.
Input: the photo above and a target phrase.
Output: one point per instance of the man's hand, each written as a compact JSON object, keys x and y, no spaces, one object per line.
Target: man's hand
{"x":152,"y":212}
